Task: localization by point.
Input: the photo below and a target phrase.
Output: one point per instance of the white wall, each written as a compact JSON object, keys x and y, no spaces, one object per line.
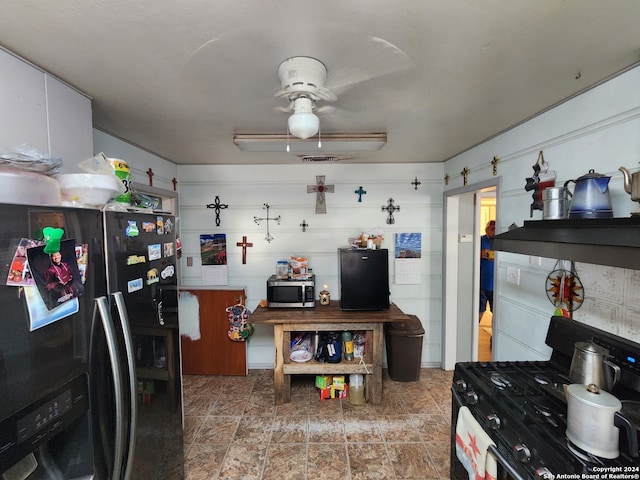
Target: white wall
{"x":599,"y":130}
{"x":284,"y":187}
{"x":139,"y":160}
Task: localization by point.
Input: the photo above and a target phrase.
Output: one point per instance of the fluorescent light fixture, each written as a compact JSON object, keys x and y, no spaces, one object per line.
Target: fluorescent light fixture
{"x":336,"y":143}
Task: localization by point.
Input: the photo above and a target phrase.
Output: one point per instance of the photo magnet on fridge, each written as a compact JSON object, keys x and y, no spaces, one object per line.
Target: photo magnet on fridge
{"x":55,"y":271}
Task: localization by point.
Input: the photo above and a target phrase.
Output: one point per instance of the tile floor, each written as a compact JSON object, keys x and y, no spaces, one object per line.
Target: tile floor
{"x":233,"y":430}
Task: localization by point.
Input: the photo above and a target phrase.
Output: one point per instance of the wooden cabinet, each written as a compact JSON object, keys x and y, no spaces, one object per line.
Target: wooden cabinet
{"x":213,"y":353}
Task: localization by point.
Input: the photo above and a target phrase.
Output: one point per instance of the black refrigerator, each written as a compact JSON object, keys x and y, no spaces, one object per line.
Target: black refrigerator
{"x":70,"y":406}
{"x":364,"y":279}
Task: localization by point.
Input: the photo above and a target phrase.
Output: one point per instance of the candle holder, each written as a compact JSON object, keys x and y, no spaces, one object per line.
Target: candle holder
{"x":325,"y":296}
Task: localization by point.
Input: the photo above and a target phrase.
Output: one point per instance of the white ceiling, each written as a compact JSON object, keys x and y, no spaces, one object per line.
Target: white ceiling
{"x":181,"y":78}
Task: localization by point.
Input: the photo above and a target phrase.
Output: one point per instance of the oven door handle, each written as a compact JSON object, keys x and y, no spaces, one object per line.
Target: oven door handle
{"x":502,"y":460}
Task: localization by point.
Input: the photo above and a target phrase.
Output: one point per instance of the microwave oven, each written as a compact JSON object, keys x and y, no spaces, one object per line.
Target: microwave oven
{"x":284,"y":293}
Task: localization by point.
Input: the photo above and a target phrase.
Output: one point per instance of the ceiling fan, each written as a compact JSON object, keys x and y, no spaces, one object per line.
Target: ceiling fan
{"x":302,"y":82}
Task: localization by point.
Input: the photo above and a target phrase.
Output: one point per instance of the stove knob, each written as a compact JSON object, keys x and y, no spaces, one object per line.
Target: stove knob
{"x":543,"y":474}
{"x":522,"y":453}
{"x":494,"y":421}
{"x":460,"y":385}
{"x":471,"y":398}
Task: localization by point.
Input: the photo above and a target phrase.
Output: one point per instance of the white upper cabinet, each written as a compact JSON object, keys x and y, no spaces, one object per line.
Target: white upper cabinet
{"x":23,"y":109}
{"x":42,"y":111}
{"x":70,"y":125}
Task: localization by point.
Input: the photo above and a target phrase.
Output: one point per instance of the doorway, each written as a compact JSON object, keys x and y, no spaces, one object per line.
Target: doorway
{"x":487,"y":200}
{"x":461,"y":283}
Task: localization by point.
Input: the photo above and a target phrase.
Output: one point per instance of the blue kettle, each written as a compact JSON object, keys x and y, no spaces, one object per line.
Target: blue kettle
{"x":590,"y":197}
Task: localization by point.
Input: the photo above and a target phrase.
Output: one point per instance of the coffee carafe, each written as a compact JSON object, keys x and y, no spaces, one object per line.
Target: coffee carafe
{"x":591,"y":365}
{"x":590,"y":198}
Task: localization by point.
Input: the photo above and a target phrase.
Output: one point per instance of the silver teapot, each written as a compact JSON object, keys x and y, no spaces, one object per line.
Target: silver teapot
{"x":632,"y":186}
{"x":591,"y":365}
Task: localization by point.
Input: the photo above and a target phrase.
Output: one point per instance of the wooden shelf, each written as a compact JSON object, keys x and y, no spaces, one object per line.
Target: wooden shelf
{"x":313,"y":367}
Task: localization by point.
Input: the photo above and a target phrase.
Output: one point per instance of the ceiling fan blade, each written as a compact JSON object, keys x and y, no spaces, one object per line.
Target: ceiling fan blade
{"x":366,"y":60}
{"x":327,"y":95}
{"x":287,"y":109}
{"x":325,"y":109}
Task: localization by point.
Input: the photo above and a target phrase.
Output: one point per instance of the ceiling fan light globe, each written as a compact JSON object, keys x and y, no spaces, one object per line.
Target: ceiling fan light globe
{"x":303,"y":125}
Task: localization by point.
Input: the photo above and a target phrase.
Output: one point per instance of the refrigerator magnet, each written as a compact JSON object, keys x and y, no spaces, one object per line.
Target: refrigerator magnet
{"x":152,"y":276}
{"x":134,"y":285}
{"x":155,"y":252}
{"x":132,"y":229}
{"x":168,"y":272}
{"x":55,"y":271}
{"x":168,"y":226}
{"x":148,"y":227}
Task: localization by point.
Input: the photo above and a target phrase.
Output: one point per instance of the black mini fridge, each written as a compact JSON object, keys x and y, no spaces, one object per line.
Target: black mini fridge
{"x":364,"y":279}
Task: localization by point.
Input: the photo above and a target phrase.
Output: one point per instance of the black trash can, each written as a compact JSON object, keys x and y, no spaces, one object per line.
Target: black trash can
{"x":404,"y":349}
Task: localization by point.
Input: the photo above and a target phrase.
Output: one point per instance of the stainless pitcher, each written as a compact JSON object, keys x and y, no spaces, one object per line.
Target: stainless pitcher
{"x":555,"y":203}
{"x":591,"y":365}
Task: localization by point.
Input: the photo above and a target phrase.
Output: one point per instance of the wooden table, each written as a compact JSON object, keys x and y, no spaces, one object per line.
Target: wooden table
{"x":327,"y":318}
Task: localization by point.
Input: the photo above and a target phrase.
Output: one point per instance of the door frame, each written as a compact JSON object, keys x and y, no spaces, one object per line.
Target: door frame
{"x":450,"y":269}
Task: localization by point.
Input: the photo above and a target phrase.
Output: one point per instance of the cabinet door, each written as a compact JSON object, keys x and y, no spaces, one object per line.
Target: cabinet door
{"x":214,"y":353}
{"x":22,"y":104}
{"x":70,"y":124}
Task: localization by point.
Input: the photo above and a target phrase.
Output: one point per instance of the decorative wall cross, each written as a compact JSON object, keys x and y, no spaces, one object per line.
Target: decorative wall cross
{"x":319,"y":189}
{"x":268,"y":237}
{"x":446,"y":179}
{"x":390,"y":208}
{"x":217,"y":206}
{"x":494,"y":163}
{"x":244,"y":244}
{"x":304,"y":225}
{"x":150,"y":173}
{"x":465,"y":174}
{"x":360,"y":192}
{"x":175,"y":182}
{"x":415,"y":183}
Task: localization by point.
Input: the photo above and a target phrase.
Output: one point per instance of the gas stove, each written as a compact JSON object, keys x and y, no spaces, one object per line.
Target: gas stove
{"x":522,"y":407}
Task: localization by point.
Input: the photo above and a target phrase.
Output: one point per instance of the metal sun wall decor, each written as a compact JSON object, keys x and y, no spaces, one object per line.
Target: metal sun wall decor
{"x":360,"y":192}
{"x":320,"y":189}
{"x":268,"y":237}
{"x":390,"y":208}
{"x":217,"y":206}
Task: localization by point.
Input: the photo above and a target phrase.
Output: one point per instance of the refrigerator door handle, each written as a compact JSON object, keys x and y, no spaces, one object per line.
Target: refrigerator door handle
{"x":110,"y":334}
{"x":128,"y":343}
